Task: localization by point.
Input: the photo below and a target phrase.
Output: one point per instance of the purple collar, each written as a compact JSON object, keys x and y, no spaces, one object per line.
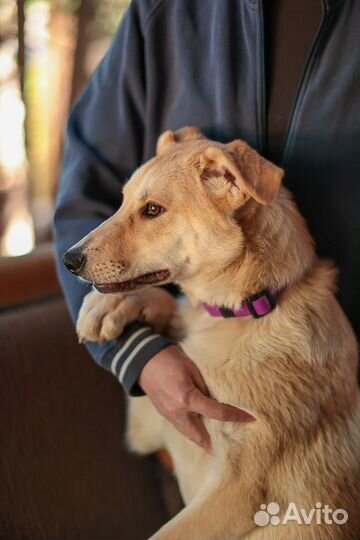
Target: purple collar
{"x":258,"y":305}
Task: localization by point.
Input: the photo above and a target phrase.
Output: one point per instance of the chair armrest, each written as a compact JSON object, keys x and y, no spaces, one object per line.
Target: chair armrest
{"x":28,"y":277}
{"x":65,"y":472}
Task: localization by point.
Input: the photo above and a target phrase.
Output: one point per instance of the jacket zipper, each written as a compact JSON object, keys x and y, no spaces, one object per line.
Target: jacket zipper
{"x":262,"y":135}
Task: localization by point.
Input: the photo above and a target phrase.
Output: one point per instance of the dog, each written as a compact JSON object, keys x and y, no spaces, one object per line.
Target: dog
{"x":215,"y":219}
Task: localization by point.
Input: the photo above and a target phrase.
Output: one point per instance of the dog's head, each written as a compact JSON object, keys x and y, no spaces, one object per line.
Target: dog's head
{"x":177,"y":216}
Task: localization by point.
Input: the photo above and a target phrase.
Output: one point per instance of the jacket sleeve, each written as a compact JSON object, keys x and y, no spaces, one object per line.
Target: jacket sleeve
{"x":103,"y":147}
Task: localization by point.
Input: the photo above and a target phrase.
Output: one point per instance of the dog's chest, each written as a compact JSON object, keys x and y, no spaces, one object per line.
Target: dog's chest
{"x":223,"y":349}
{"x":213,"y":339}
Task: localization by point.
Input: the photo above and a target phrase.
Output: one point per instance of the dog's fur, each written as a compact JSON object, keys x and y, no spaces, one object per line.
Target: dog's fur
{"x":230,"y":230}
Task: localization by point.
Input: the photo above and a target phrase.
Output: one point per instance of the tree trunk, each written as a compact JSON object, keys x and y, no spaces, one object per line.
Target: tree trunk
{"x":86,"y":14}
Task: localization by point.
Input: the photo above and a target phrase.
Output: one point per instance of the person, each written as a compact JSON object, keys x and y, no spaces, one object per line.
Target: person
{"x":284,"y":76}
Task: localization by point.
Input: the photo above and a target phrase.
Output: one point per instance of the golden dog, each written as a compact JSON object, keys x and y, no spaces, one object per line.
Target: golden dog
{"x":214,"y":218}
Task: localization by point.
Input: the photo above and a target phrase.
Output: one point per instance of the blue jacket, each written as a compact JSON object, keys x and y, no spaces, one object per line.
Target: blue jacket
{"x":201,"y":62}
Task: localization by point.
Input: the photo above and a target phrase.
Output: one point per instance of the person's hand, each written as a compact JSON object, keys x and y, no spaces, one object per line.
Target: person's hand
{"x":175,"y":386}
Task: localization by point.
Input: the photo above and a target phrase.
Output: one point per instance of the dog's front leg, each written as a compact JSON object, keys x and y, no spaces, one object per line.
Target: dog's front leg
{"x":145,"y":426}
{"x":216,"y":514}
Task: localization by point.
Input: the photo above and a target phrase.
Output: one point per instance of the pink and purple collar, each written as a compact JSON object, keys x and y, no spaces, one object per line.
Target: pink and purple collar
{"x":258,"y":305}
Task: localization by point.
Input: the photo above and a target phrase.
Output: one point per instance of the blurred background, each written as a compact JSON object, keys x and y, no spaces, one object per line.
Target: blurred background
{"x":65,"y":473}
{"x":48,"y":50}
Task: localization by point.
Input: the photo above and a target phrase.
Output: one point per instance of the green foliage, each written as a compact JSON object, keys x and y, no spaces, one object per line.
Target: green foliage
{"x":108,"y":15}
{"x":108,"y":12}
{"x":66,"y":6}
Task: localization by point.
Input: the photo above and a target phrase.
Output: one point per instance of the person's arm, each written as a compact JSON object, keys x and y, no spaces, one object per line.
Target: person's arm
{"x":103,"y":148}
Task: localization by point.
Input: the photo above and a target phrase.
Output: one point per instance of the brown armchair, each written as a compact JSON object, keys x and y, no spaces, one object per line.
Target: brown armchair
{"x":64,"y":470}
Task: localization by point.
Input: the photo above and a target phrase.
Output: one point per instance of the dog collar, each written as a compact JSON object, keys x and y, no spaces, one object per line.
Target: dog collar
{"x":258,"y":305}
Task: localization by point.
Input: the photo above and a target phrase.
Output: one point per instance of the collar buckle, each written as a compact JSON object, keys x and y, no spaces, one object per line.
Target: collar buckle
{"x":260,"y":304}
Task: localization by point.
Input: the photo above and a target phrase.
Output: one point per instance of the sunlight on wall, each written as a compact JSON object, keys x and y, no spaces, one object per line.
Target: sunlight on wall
{"x":12,"y":112}
{"x":18,"y":238}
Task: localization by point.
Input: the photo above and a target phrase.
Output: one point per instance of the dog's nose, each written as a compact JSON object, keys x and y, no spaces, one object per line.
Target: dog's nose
{"x":74,"y":260}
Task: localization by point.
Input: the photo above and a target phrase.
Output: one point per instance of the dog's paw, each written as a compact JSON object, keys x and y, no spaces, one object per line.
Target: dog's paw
{"x":158,"y":307}
{"x":102,"y":317}
{"x":176,"y":328}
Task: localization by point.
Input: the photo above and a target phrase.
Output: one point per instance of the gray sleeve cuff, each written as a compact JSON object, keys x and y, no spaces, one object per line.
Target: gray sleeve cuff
{"x":138,"y":345}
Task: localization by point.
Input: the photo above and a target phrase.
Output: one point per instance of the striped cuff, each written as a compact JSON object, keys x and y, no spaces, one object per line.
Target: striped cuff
{"x":137,"y":346}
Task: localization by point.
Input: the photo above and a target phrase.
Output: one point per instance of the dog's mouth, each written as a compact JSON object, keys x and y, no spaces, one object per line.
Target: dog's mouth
{"x":151,"y":278}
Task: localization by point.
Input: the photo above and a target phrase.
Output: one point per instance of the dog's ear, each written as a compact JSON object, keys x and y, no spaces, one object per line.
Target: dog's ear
{"x":169,"y":138}
{"x":238,"y":171}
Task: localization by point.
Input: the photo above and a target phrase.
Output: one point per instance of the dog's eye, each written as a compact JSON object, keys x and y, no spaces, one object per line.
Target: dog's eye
{"x":152,"y":210}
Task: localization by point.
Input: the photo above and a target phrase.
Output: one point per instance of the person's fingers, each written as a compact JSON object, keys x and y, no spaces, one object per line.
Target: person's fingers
{"x":192,"y":427}
{"x":217,"y":411}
